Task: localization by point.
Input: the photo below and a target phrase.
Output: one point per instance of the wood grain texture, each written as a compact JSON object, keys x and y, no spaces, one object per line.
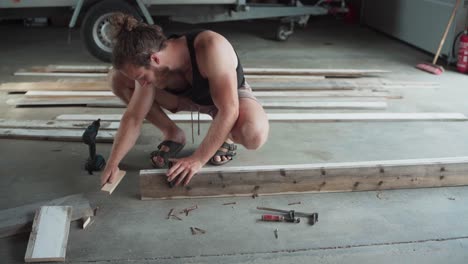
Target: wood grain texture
{"x":257,"y":82}
{"x":67,"y":101}
{"x":59,"y":74}
{"x":49,"y":235}
{"x":110,"y":187}
{"x":319,"y":72}
{"x":259,"y":94}
{"x":91,"y":71}
{"x":19,"y":219}
{"x":291,"y":78}
{"x":310,"y":178}
{"x":306,"y":117}
{"x":267,"y":104}
{"x":54,"y":124}
{"x":105,"y":136}
{"x":55,"y":86}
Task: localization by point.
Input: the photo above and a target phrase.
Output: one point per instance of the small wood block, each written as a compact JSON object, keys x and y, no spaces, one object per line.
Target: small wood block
{"x":110,"y":187}
{"x":86,"y":222}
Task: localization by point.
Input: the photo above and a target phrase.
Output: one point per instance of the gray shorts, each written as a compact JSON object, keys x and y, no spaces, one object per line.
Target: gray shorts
{"x":186,"y":104}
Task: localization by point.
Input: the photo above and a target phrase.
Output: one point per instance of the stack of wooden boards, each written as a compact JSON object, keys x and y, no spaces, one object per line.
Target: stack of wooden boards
{"x":275,"y":88}
{"x":54,"y":130}
{"x":290,"y":89}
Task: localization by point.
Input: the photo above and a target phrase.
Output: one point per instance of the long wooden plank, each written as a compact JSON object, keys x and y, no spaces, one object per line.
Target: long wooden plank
{"x":49,"y":236}
{"x":106,"y":136}
{"x":116,"y":103}
{"x":98,"y":69}
{"x":309,"y":178}
{"x":55,"y":86}
{"x":54,"y":124}
{"x":59,"y":74}
{"x":18,"y":220}
{"x":62,"y":101}
{"x":260,"y":94}
{"x":267,"y":83}
{"x":290,"y":105}
{"x":311,"y":117}
{"x":69,"y":94}
{"x":247,"y":70}
{"x":283,"y":78}
{"x":322,"y":105}
{"x":110,"y":187}
{"x":73,"y":68}
{"x":320,"y":72}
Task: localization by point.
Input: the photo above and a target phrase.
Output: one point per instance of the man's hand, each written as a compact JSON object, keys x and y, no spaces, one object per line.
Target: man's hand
{"x":109,"y":174}
{"x":184,"y":168}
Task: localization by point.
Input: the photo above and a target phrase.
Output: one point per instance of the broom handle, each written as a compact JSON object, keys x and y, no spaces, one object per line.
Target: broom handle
{"x":446,"y":31}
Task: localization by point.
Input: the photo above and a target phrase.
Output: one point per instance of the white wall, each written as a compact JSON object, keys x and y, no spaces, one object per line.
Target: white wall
{"x":417,"y":22}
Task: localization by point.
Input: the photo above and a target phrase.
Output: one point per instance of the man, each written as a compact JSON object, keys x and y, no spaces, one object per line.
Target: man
{"x":199,"y":71}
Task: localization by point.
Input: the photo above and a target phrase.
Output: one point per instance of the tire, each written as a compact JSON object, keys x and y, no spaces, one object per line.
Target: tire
{"x":95,"y":30}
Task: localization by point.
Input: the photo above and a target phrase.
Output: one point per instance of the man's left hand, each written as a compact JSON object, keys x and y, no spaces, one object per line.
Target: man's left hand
{"x":183,"y":169}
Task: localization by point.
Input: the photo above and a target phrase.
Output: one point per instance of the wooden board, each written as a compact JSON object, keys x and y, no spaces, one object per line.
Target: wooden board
{"x":59,"y":74}
{"x":54,"y":124}
{"x":72,"y":68}
{"x":106,"y":136}
{"x":110,"y":187}
{"x":311,"y":117}
{"x":351,"y":105}
{"x":116,"y":103}
{"x":70,"y":94}
{"x":55,"y":86}
{"x":62,"y":101}
{"x":288,"y":78}
{"x":313,"y":85}
{"x":309,"y":178}
{"x":264,"y":83}
{"x":82,"y":70}
{"x":320,"y":72}
{"x":18,"y":220}
{"x":86,"y":221}
{"x":322,"y":105}
{"x":259,"y":94}
{"x":49,"y":235}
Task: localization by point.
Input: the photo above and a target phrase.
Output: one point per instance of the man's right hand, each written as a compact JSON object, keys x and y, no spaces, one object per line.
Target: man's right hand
{"x":109,"y":174}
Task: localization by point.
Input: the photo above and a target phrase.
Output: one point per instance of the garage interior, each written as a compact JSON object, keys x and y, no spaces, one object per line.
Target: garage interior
{"x":385,"y":188}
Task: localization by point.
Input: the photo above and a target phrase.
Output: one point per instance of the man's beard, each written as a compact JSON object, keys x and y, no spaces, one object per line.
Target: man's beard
{"x":161,"y":77}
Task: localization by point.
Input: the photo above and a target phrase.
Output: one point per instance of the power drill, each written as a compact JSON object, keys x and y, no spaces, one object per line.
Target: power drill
{"x":94,"y":162}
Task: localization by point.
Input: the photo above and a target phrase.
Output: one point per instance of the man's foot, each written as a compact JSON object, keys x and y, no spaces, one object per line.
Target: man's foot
{"x":171,"y":145}
{"x":224,"y":153}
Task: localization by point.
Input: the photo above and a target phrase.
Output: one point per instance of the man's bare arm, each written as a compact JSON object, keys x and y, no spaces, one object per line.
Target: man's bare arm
{"x":218,"y":63}
{"x":129,"y":129}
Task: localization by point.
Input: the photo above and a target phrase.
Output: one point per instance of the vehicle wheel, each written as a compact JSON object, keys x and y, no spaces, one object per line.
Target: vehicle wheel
{"x":95,"y":30}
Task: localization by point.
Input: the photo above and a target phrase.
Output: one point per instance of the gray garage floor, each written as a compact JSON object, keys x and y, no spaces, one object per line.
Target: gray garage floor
{"x":402,"y":226}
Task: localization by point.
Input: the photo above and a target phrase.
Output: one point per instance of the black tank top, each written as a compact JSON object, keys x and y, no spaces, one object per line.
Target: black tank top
{"x":200,"y":92}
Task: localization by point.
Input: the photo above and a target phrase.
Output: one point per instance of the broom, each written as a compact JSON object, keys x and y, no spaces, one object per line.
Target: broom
{"x":433,"y":67}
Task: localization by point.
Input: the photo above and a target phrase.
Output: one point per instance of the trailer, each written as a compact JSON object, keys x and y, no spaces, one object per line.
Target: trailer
{"x":95,"y":14}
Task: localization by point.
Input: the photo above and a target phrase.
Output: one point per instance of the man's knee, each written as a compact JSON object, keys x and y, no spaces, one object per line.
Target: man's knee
{"x":251,"y":136}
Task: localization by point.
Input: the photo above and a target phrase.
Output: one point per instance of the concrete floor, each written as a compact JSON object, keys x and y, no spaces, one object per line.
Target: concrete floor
{"x":401,"y":226}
